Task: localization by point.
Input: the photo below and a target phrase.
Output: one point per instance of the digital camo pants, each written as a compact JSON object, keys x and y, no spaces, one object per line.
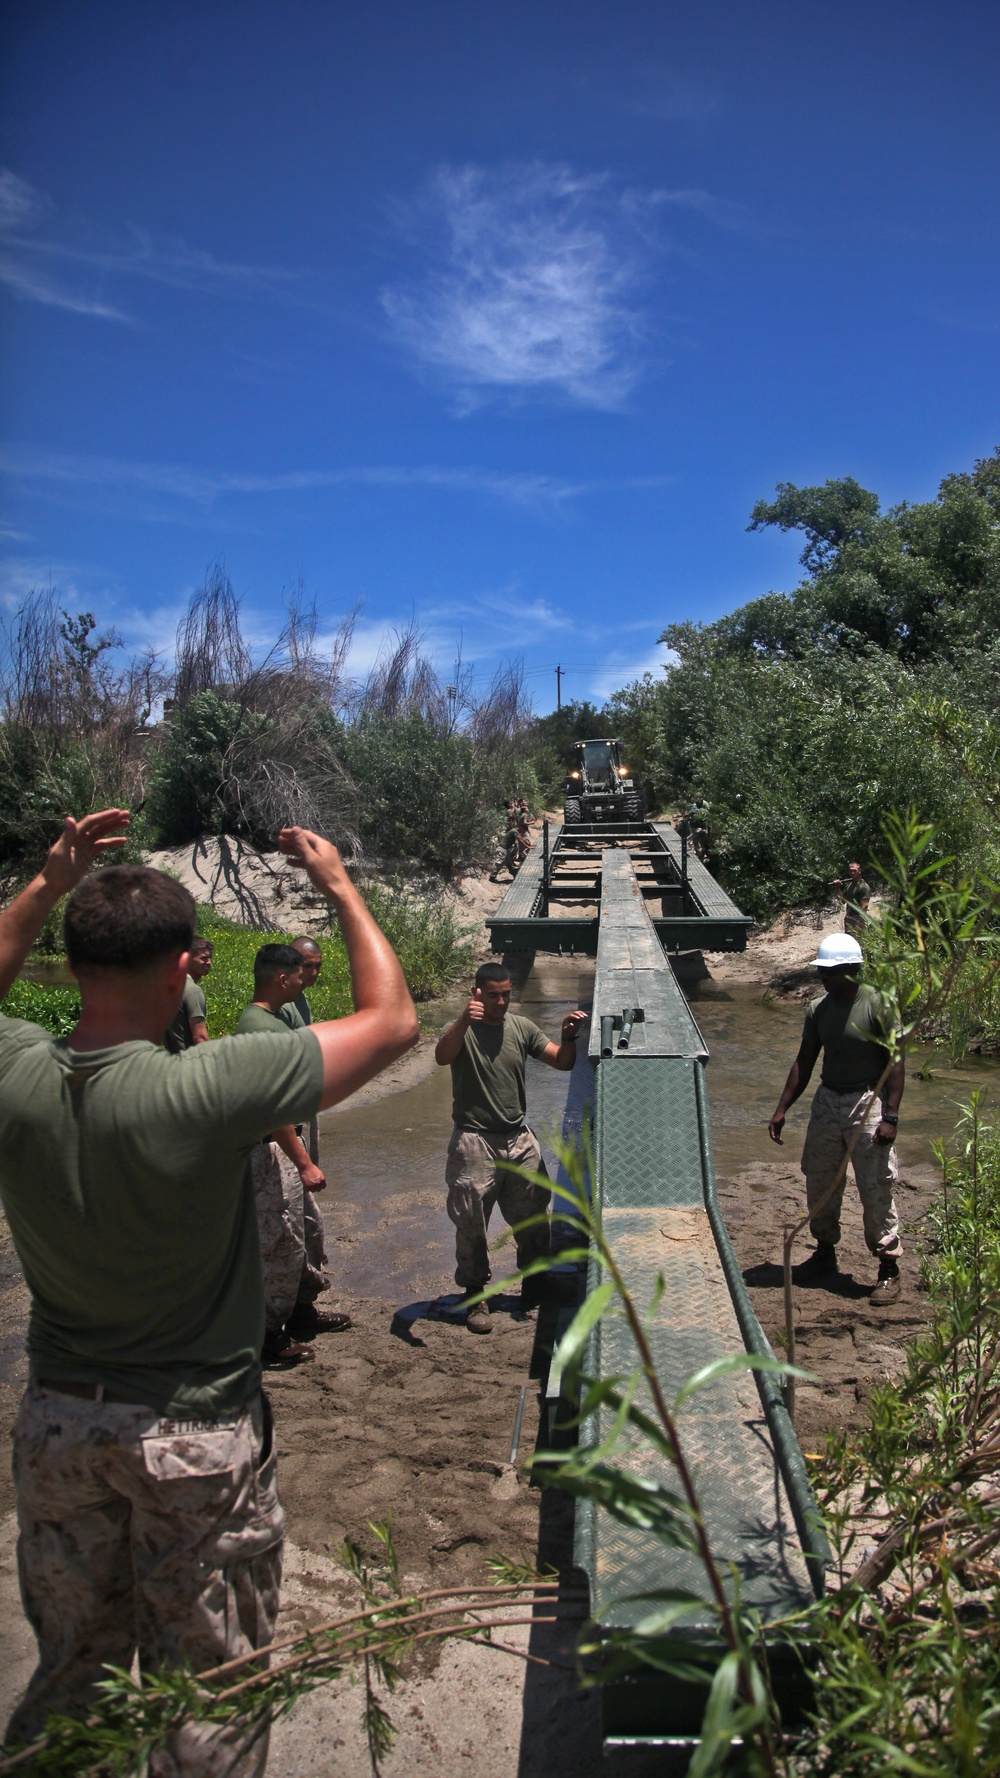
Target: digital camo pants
{"x":148,"y":1535}
{"x":477,"y":1175}
{"x":832,"y":1123}
{"x":291,"y":1235}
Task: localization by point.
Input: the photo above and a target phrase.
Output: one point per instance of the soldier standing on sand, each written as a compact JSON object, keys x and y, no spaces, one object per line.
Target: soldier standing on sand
{"x":144,"y":1458}
{"x":312,"y":963}
{"x":284,"y":1180}
{"x":315,"y":1234}
{"x":855,"y":895}
{"x":847,"y":1026}
{"x":487,"y":1048}
{"x":189,"y":1026}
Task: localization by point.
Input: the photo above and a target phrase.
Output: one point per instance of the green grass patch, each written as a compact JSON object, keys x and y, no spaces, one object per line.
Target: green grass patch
{"x":432,"y":948}
{"x":55,"y":1009}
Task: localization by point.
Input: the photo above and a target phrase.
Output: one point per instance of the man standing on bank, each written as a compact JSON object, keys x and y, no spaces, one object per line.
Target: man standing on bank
{"x":190,"y":1026}
{"x":143,"y":1450}
{"x":312,"y":963}
{"x":855,"y":895}
{"x":847,"y":1026}
{"x":487,"y":1048}
{"x":285,"y":1178}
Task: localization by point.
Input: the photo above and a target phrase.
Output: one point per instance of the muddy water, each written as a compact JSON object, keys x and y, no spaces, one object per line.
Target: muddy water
{"x":751,"y":1044}
{"x":388,"y":1233}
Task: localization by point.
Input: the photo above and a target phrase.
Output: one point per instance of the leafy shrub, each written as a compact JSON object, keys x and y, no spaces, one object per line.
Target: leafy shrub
{"x":188,"y":789}
{"x":425,"y":792}
{"x":424,"y":934}
{"x":56,"y":1009}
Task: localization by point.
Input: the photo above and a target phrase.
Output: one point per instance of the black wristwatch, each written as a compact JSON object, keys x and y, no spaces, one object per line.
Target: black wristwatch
{"x":889,"y":1117}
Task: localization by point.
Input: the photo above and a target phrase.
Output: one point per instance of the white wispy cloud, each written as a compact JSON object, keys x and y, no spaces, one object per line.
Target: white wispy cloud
{"x":45,"y":259}
{"x":207,"y":487}
{"x":529,"y":284}
{"x":666,"y":96}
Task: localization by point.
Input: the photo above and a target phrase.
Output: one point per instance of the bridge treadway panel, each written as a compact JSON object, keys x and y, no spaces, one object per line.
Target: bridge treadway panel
{"x":651,"y":1183}
{"x":522,"y":897}
{"x":723,"y":1431}
{"x":633,"y":971}
{"x":710,"y":896}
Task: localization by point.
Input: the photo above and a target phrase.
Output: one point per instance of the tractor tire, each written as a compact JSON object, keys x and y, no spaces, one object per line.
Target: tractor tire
{"x":572,"y":812}
{"x":634,"y":808}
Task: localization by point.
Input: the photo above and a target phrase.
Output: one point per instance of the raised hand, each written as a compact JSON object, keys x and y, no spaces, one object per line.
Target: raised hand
{"x":78,"y":845}
{"x":319,"y":858}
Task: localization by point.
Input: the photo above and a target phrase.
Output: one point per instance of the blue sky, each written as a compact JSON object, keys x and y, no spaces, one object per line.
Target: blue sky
{"x":494,"y":317}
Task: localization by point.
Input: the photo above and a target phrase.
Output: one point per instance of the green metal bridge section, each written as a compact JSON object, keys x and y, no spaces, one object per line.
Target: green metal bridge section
{"x":655,"y":1183}
{"x":554,"y":901}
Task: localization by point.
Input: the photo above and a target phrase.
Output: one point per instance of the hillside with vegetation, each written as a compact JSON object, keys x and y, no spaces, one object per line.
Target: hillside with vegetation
{"x":805,"y":717}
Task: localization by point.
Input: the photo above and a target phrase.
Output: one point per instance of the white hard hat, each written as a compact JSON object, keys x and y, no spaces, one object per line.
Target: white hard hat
{"x":837,"y":950}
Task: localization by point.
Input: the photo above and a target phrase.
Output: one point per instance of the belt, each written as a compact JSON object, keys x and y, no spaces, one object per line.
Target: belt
{"x":91,"y":1392}
{"x":493,"y":1135}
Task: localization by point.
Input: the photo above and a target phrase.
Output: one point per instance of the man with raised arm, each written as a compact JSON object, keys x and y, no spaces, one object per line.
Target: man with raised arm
{"x":487,"y":1049}
{"x":143,"y":1451}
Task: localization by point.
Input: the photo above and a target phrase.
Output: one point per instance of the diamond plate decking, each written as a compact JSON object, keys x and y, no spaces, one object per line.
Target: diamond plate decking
{"x":654,"y":1183}
{"x":632,"y":971}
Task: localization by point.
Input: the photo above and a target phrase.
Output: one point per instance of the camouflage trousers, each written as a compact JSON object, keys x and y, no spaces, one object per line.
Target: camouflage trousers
{"x":832,"y":1122}
{"x":477,"y":1177}
{"x":291,"y":1235}
{"x":149,"y":1536}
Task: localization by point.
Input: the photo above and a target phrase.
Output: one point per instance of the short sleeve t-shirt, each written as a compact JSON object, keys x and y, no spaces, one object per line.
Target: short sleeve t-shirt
{"x":853,"y":1039}
{"x":487,"y":1075}
{"x":854,"y":894}
{"x":193,"y":1006}
{"x":261,"y":1018}
{"x":125,"y":1177}
{"x":297,"y":1013}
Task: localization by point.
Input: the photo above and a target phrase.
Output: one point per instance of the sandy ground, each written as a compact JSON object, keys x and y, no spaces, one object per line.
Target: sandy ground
{"x":413,"y":1415}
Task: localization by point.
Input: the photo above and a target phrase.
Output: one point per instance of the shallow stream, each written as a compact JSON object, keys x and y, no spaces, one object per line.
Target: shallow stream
{"x":385,"y":1161}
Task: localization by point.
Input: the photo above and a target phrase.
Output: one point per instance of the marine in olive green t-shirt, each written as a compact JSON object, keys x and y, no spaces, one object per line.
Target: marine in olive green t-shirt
{"x":487,"y":1075}
{"x":125,"y":1178}
{"x":853,"y":1039}
{"x":261,"y":1018}
{"x":193,"y":1006}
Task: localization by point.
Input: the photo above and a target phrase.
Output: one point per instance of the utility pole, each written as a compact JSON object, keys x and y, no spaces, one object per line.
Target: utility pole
{"x":559,"y":674}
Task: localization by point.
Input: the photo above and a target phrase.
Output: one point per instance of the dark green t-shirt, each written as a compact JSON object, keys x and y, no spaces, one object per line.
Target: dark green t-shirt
{"x":192,"y":1006}
{"x":261,"y":1018}
{"x":852,"y":1035}
{"x":297,"y":1012}
{"x":487,"y":1075}
{"x":854,"y":894}
{"x":125,"y":1178}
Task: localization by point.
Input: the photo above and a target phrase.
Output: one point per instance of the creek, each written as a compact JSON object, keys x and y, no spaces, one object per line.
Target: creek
{"x":384,"y":1206}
